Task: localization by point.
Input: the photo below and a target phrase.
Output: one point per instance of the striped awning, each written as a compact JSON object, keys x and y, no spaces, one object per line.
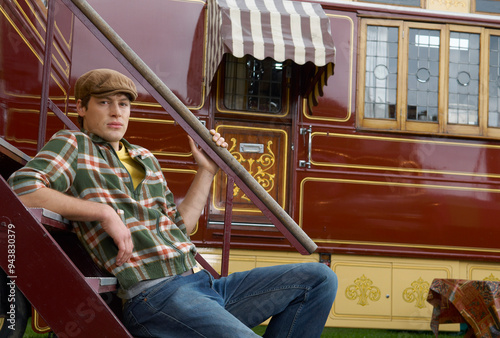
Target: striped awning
{"x":280,"y":29}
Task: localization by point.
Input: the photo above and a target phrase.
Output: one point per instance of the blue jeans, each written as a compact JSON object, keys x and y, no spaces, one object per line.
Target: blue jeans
{"x":299,"y":298}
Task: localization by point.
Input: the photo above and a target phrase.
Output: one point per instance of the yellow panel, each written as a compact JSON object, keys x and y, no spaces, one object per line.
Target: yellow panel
{"x":482,"y":271}
{"x":410,"y":288}
{"x":364,"y":290}
{"x":242,"y":260}
{"x":241,"y":263}
{"x":457,"y":6}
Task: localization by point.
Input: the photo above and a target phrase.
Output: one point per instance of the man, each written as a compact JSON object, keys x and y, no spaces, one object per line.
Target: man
{"x":124,"y":214}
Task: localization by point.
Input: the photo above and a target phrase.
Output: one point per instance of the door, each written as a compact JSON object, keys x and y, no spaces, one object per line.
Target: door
{"x":254,"y":116}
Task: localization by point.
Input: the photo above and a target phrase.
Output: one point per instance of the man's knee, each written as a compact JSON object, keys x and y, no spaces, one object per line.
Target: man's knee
{"x":326,"y":278}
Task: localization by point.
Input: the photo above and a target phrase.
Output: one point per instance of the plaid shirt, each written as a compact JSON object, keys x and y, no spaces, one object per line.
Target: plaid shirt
{"x":87,"y":167}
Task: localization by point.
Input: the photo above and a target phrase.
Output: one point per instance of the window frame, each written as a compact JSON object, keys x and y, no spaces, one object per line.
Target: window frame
{"x":285,"y":94}
{"x":369,"y":122}
{"x":441,"y":126}
{"x":474,"y":5}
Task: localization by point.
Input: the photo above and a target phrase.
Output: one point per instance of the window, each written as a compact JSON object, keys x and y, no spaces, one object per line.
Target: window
{"x":423,"y":75}
{"x":381,"y":72}
{"x":494,"y":83}
{"x":253,"y":85}
{"x":463,"y":97}
{"x":426,"y":78}
{"x":488,"y":6}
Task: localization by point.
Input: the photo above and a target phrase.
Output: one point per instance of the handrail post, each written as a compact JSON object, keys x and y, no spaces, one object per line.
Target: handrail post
{"x":47,"y":67}
{"x":228,"y":215}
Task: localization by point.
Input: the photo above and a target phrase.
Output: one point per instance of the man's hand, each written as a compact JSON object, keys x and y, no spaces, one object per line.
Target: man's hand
{"x":116,"y":229}
{"x":204,"y":162}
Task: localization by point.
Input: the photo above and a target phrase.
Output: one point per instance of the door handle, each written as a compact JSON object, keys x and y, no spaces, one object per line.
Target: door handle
{"x":308,"y":131}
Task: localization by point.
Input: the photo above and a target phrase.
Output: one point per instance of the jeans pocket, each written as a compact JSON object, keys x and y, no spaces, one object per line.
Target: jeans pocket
{"x":210,"y":277}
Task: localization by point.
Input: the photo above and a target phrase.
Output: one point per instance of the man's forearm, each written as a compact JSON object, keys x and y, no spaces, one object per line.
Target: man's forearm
{"x":76,"y":209}
{"x":72,"y":208}
{"x":196,"y":199}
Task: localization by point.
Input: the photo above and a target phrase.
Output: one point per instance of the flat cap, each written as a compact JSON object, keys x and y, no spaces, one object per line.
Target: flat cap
{"x":99,"y":82}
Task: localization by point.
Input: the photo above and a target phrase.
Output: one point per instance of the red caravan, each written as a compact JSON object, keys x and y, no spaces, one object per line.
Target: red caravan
{"x":392,"y":171}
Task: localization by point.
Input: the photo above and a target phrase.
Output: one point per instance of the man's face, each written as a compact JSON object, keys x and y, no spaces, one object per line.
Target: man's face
{"x":106,"y":117}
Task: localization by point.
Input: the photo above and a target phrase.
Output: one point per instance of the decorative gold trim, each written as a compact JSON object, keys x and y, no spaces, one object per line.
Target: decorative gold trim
{"x":30,"y":46}
{"x":42,"y":24}
{"x":363,"y":289}
{"x":349,"y":102}
{"x":401,"y":169}
{"x":482,"y":267}
{"x":156,"y":121}
{"x":36,"y":323}
{"x":380,"y":183}
{"x":159,"y":121}
{"x":184,"y":171}
{"x":491,"y":278}
{"x":150,"y":105}
{"x":417,"y":293}
{"x":35,"y":97}
{"x":285,"y":172}
{"x":405,"y":245}
{"x":264,"y":163}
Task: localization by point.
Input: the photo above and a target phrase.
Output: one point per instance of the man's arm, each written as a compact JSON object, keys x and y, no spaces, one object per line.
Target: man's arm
{"x":76,"y":209}
{"x":196,"y":198}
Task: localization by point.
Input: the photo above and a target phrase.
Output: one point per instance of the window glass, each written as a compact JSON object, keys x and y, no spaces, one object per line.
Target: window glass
{"x":463,"y":97}
{"x":253,"y":85}
{"x":494,"y":93}
{"x":423,"y":75}
{"x":490,"y":6}
{"x":381,"y":72}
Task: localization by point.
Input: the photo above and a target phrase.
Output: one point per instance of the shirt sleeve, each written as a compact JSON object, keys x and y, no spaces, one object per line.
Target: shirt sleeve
{"x":53,"y":167}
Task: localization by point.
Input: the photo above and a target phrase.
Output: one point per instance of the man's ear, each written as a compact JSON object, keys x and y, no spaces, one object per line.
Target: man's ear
{"x":79,"y":108}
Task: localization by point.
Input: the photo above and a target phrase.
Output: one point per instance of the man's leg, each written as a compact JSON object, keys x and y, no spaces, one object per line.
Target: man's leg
{"x":298,"y":296}
{"x":182,"y":307}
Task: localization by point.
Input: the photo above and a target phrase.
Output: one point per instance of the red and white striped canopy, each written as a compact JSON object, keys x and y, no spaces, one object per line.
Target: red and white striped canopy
{"x":280,"y":29}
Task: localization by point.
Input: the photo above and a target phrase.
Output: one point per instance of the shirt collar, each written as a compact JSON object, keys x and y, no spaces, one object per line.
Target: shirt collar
{"x":133,"y":150}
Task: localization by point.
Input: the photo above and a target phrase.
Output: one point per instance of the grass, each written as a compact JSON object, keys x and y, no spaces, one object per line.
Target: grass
{"x":374,"y":333}
{"x":329,"y":333}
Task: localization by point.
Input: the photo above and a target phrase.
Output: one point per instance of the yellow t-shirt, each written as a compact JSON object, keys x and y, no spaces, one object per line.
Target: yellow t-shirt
{"x":134,"y":168}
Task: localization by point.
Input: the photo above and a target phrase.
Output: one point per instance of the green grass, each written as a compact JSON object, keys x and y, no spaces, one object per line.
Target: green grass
{"x":374,"y":333}
{"x":330,"y":333}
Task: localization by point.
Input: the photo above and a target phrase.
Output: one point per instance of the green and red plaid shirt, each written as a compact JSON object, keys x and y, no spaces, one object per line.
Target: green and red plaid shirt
{"x":87,"y":167}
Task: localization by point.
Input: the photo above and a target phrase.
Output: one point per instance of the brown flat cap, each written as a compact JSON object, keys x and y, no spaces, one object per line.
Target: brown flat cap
{"x":99,"y":82}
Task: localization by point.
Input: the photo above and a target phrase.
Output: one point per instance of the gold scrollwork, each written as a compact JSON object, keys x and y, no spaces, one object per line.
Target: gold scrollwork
{"x":492,"y":278}
{"x":417,"y":292}
{"x":363,"y":289}
{"x":263,"y":165}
